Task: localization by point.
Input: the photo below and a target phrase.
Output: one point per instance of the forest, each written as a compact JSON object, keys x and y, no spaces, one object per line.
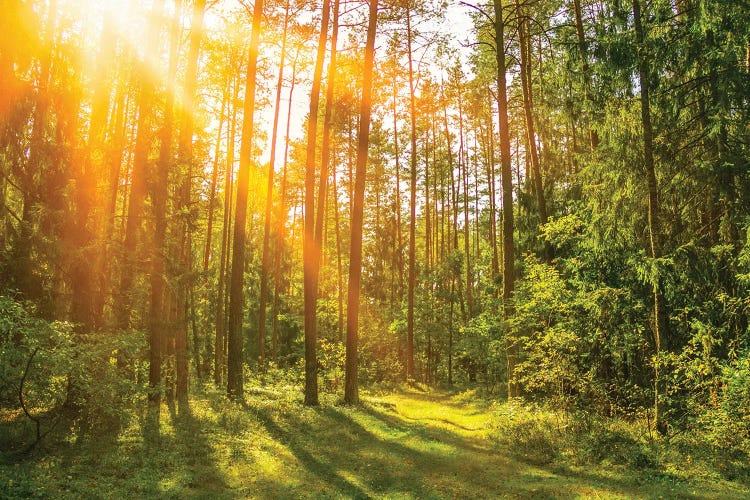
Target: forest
{"x":374,"y":248}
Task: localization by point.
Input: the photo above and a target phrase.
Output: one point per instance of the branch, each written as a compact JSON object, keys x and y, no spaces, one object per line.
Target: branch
{"x":23,"y":403}
{"x":481,"y":11}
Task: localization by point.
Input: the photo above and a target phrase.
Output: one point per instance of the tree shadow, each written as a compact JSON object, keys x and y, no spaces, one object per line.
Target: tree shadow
{"x":423,"y":430}
{"x":315,"y":466}
{"x":334,"y":447}
{"x":198,"y":470}
{"x":146,"y":460}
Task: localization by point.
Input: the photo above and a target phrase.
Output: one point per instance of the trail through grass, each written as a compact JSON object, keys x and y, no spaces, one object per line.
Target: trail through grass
{"x":404,"y":445}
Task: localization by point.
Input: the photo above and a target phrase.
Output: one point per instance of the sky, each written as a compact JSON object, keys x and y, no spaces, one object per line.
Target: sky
{"x":458,"y":27}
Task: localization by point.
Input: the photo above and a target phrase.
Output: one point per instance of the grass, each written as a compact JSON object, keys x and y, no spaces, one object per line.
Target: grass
{"x":404,"y":445}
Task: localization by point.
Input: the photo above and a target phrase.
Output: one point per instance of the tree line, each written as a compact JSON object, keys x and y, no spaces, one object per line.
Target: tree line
{"x":554,"y":206}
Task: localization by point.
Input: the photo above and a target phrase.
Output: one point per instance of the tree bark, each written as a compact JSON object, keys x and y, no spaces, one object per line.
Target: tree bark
{"x":219,"y":350}
{"x":583,"y":48}
{"x":528,"y":108}
{"x":214,"y":185}
{"x":236,"y":292}
{"x":507,"y":196}
{"x":185,"y":160}
{"x":265,"y":259}
{"x":412,"y":206}
{"x":351,"y":394}
{"x":654,"y":229}
{"x":309,"y":250}
{"x":282,"y":221}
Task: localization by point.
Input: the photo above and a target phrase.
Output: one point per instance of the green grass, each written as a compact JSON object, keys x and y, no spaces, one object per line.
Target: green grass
{"x":404,"y":445}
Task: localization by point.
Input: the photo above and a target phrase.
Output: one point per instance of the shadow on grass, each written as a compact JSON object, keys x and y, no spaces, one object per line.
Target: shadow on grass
{"x":315,"y":466}
{"x":197,"y":472}
{"x":335,"y":448}
{"x":423,"y":430}
{"x":146,"y":460}
{"x":444,"y":399}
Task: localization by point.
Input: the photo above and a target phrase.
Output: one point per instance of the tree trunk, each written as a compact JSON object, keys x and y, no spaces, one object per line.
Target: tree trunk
{"x":583,"y":47}
{"x":528,"y":107}
{"x":464,"y":175}
{"x":282,"y":221}
{"x":654,"y":229}
{"x":214,"y":185}
{"x":507,"y":196}
{"x":185,"y":159}
{"x":236,"y":292}
{"x":157,"y":313}
{"x":325,"y":151}
{"x":227,"y":222}
{"x":136,"y":201}
{"x":412,"y":207}
{"x":309,"y":250}
{"x":351,"y":394}
{"x":265,"y":262}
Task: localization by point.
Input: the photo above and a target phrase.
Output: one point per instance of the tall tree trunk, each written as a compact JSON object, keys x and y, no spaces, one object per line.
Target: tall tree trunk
{"x":282,"y":220}
{"x":325,"y":151}
{"x":507,"y":196}
{"x":412,"y":206}
{"x":583,"y":48}
{"x":185,"y":159}
{"x":464,"y":174}
{"x":351,"y":394}
{"x":113,"y":158}
{"x":493,"y":196}
{"x":157,"y":312}
{"x":309,"y":250}
{"x":265,"y":262}
{"x":236,"y":295}
{"x":427,"y":208}
{"x":339,"y":264}
{"x":85,"y":230}
{"x":528,"y":108}
{"x":654,"y":229}
{"x":219,"y":341}
{"x":214,"y":185}
{"x":399,"y":239}
{"x":136,"y":201}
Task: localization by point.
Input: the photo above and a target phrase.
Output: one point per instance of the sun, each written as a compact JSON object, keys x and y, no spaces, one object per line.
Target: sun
{"x":119,"y":23}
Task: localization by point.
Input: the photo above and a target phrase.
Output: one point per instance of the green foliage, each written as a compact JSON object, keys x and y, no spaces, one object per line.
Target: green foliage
{"x":380,"y":359}
{"x":576,"y":340}
{"x":724,"y":423}
{"x":527,"y":431}
{"x":481,"y":348}
{"x":48,"y":371}
{"x":331,"y":356}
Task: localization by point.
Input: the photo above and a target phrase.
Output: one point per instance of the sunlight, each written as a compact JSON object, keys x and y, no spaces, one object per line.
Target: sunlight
{"x":511,"y":235}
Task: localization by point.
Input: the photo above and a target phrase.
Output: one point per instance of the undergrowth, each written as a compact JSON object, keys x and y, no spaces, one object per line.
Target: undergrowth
{"x":542,"y":436}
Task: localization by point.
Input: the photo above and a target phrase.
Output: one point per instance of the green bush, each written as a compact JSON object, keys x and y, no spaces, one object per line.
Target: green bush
{"x":49,"y":372}
{"x":527,"y":431}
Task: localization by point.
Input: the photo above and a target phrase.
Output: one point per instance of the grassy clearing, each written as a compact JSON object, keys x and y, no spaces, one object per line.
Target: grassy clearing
{"x":404,"y":445}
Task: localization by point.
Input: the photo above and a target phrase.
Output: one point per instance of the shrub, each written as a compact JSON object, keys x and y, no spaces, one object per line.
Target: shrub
{"x":49,"y":372}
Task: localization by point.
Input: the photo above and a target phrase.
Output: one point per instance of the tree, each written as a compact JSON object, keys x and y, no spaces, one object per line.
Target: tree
{"x":236,"y":292}
{"x":507,"y":192}
{"x":351,"y":394}
{"x":412,"y":202}
{"x":654,"y":229}
{"x":265,"y":265}
{"x":309,"y":250}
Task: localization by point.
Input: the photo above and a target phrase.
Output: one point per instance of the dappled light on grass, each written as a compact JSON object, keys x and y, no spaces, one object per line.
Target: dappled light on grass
{"x":409,"y":444}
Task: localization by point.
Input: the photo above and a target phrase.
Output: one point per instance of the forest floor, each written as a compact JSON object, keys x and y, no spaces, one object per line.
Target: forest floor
{"x":408,"y":444}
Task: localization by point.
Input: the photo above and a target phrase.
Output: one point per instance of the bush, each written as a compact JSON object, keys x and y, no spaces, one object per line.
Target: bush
{"x":527,"y":431}
{"x":48,"y":372}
